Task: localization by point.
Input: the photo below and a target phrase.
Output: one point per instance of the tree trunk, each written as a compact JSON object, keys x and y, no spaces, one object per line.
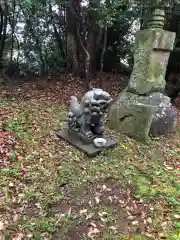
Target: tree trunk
{"x":3,"y":37}
{"x":88,"y":72}
{"x":92,"y":39}
{"x":73,"y":62}
{"x":87,"y":60}
{"x":4,"y":12}
{"x":104,"y":49}
{"x":72,"y":55}
{"x":1,"y":26}
{"x":12,"y":31}
{"x":58,"y":38}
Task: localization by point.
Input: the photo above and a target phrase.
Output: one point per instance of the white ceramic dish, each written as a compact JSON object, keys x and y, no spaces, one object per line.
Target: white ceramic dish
{"x":100,"y":142}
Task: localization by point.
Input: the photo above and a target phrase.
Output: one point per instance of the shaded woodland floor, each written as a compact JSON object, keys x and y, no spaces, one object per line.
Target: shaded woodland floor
{"x":49,"y":190}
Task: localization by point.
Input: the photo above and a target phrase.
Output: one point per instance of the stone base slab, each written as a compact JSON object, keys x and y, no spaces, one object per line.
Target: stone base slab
{"x":90,"y":149}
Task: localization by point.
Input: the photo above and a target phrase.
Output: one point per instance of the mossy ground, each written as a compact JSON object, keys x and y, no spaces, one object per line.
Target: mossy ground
{"x":51,"y":190}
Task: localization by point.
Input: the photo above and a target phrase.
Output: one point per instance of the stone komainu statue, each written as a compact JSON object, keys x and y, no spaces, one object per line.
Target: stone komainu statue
{"x":86,"y":117}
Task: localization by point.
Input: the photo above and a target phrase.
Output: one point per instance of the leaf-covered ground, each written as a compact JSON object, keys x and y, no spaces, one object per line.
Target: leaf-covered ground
{"x":49,"y":190}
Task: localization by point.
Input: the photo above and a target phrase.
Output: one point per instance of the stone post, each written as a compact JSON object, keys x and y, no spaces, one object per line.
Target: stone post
{"x":152,"y":50}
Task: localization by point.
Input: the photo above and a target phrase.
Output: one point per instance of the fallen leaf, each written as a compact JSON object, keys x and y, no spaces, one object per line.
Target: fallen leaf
{"x":83,"y":211}
{"x":103,"y":214}
{"x":97,"y":199}
{"x":18,"y":236}
{"x":1,"y":226}
{"x":93,"y":232}
{"x":69,"y":210}
{"x":30,"y":235}
{"x":92,"y":224}
{"x":169,"y":168}
{"x":122,"y":202}
{"x":108,"y":189}
{"x":130,"y":217}
{"x":162,"y":235}
{"x":88,"y":216}
{"x":110,"y":198}
{"x":15,"y":217}
{"x":20,"y":158}
{"x":112,"y":228}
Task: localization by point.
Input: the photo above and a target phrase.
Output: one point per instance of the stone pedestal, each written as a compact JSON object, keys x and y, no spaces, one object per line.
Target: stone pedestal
{"x":141,"y":116}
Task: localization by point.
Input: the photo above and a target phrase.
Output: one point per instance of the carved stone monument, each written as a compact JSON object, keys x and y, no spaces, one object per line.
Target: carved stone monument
{"x":86,"y":122}
{"x":143,"y":109}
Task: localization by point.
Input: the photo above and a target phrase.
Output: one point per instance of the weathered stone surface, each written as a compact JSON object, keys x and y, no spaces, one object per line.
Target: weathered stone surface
{"x":152,"y":49}
{"x":129,"y":117}
{"x":89,"y":148}
{"x":86,"y":117}
{"x":166,"y":123}
{"x":139,"y":116}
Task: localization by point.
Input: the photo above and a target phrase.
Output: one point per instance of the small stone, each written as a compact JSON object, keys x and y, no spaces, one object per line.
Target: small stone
{"x":149,"y":220}
{"x":135,"y":223}
{"x":11,"y":184}
{"x":30,"y":235}
{"x":176,"y":216}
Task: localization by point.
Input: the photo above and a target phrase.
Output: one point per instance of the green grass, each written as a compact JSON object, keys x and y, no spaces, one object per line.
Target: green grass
{"x":52,"y":175}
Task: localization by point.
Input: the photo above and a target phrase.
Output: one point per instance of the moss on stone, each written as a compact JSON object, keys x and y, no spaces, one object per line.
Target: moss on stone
{"x":157,"y":70}
{"x":149,"y":72}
